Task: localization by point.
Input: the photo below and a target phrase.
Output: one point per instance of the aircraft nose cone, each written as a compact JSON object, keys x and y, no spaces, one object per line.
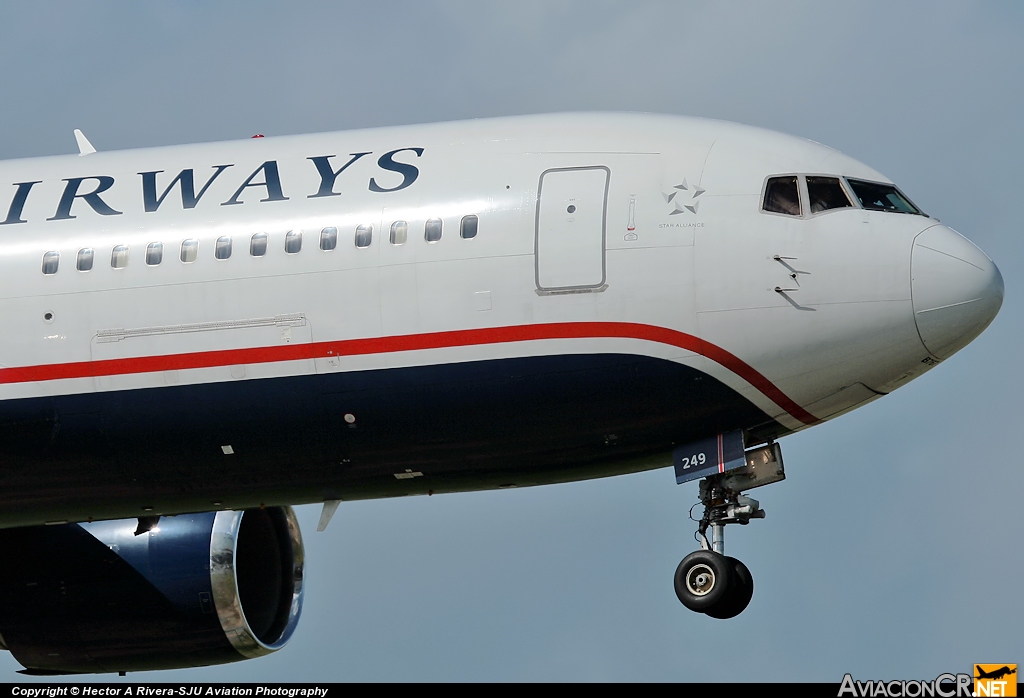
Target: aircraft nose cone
{"x":957,"y":290}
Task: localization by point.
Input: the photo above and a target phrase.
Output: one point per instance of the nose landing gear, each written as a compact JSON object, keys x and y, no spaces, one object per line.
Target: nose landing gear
{"x":707,"y":581}
{"x":711,"y":583}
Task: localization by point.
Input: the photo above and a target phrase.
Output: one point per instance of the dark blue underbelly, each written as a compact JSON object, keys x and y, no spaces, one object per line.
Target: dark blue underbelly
{"x":471,"y":425}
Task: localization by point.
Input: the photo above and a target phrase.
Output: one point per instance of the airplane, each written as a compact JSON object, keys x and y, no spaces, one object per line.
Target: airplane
{"x":199,"y":337}
{"x":995,"y":674}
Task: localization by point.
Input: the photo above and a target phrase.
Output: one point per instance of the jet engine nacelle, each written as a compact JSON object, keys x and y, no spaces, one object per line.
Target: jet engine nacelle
{"x":192,"y":590}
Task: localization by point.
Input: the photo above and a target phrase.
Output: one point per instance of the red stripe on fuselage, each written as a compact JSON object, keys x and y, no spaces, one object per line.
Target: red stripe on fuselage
{"x":412,"y":342}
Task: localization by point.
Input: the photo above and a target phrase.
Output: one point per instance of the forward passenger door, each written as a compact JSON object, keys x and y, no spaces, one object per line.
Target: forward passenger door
{"x":572,"y":206}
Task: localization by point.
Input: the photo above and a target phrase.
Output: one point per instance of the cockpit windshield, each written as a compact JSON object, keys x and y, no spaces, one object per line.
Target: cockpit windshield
{"x":876,"y":196}
{"x":826,"y":193}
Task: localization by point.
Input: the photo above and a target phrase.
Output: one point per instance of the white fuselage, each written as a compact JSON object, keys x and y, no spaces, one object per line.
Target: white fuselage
{"x":597,"y":234}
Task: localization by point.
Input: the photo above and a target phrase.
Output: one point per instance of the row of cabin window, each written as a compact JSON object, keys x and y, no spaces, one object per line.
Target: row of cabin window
{"x":189,"y":252}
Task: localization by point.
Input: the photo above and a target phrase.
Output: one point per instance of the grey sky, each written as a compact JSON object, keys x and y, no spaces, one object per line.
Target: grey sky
{"x":893,"y":550}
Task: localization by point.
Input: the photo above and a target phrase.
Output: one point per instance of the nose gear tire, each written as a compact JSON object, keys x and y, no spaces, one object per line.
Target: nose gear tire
{"x":703,"y":580}
{"x":740,"y":591}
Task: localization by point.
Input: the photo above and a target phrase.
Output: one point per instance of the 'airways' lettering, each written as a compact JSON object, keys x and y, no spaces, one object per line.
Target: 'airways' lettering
{"x":18,"y":203}
{"x":186,"y":178}
{"x":92,"y":198}
{"x":409,"y":172}
{"x":153,"y":198}
{"x":271,"y":180}
{"x":328,"y":176}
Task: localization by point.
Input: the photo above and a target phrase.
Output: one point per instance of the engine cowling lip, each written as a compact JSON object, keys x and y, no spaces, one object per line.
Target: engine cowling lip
{"x":224,"y":583}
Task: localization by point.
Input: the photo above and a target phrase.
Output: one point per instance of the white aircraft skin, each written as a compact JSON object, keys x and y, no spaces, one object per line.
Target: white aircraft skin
{"x":799,"y":317}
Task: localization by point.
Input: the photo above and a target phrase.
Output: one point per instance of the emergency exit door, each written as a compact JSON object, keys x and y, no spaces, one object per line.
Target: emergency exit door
{"x":571,"y":215}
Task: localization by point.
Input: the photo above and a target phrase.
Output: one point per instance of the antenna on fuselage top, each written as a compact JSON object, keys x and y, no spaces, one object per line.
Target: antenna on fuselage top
{"x":84,"y":146}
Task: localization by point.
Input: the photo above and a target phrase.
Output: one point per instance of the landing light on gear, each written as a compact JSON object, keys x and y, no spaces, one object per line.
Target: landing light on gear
{"x":707,"y":581}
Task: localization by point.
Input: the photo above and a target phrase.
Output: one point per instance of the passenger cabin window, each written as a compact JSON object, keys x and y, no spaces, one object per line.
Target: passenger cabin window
{"x":51,"y":260}
{"x":189,"y":250}
{"x":467,"y":230}
{"x":826,"y":193}
{"x":154,"y":253}
{"x":364,"y":235}
{"x":85,"y":257}
{"x":328,"y":239}
{"x":782,"y":195}
{"x":399,"y":232}
{"x":432,"y":230}
{"x":222,"y":250}
{"x":119,"y":257}
{"x":876,"y":196}
{"x":293,"y":241}
{"x":258,"y":244}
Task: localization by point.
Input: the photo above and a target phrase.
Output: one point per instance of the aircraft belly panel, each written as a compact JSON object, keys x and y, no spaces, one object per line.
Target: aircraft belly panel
{"x":470,"y":425}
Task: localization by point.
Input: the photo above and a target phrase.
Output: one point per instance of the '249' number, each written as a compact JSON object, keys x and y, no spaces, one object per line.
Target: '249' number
{"x":694,"y":460}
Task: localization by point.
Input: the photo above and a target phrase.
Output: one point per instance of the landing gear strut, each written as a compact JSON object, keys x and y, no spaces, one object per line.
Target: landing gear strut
{"x":707,"y":581}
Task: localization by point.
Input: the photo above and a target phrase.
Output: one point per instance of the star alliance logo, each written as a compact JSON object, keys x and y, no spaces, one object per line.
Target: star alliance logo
{"x":683,"y":197}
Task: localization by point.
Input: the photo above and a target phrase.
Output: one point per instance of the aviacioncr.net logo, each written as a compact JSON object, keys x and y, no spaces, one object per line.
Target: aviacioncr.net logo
{"x":943,"y":686}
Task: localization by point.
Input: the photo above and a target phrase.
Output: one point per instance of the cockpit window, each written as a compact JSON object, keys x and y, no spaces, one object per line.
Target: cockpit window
{"x":876,"y":196}
{"x":826,"y":193}
{"x":781,"y":195}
